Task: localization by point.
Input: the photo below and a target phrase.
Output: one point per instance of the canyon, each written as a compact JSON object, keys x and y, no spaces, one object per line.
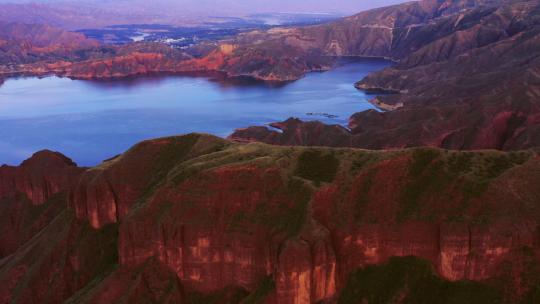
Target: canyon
{"x":199,"y":219}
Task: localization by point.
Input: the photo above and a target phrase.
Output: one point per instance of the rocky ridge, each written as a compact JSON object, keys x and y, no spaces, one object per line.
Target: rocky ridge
{"x":474,"y":85}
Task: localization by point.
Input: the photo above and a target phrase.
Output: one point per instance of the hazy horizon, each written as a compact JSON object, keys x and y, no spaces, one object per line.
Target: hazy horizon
{"x":228,"y":7}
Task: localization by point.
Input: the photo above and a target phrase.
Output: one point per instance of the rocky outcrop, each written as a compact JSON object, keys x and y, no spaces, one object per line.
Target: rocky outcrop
{"x":24,"y":191}
{"x":296,"y":132}
{"x":38,"y":178}
{"x":197,"y":218}
{"x":105,"y":194}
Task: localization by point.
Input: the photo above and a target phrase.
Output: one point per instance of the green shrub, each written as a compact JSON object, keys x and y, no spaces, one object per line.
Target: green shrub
{"x":410,"y":280}
{"x":317,"y":166}
{"x":259,"y":295}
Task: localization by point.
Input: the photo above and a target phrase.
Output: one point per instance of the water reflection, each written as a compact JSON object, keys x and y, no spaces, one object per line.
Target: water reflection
{"x":156,"y":79}
{"x":95,"y":120}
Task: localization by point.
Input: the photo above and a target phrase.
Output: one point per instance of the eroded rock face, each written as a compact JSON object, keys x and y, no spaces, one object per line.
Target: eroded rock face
{"x":58,"y":262}
{"x":24,"y":191}
{"x":306,"y":270}
{"x":207,"y":219}
{"x":105,"y":194}
{"x":38,"y":178}
{"x":207,"y":257}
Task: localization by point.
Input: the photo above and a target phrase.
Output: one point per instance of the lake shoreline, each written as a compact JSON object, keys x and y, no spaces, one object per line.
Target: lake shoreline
{"x":95,"y":120}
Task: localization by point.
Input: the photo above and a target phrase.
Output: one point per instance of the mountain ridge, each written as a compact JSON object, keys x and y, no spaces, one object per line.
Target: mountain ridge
{"x":198,"y":218}
{"x":284,"y":54}
{"x":475,"y":88}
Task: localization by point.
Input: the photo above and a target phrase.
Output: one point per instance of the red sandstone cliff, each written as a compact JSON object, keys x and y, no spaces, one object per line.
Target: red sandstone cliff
{"x":197,"y":218}
{"x":24,"y":191}
{"x":38,"y":178}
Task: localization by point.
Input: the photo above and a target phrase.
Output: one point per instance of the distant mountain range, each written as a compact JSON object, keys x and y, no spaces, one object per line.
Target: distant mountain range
{"x":71,"y":14}
{"x":221,"y":7}
{"x":24,"y":43}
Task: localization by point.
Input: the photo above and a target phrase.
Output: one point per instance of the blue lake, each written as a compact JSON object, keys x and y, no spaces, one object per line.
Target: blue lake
{"x":90,"y":121}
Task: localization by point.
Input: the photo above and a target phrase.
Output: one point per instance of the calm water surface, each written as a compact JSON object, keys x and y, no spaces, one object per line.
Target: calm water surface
{"x":91,"y":121}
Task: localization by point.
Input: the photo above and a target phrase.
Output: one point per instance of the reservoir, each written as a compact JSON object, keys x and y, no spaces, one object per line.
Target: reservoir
{"x":90,"y":121}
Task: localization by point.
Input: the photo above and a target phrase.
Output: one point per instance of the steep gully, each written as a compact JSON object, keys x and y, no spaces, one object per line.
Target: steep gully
{"x":178,"y":219}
